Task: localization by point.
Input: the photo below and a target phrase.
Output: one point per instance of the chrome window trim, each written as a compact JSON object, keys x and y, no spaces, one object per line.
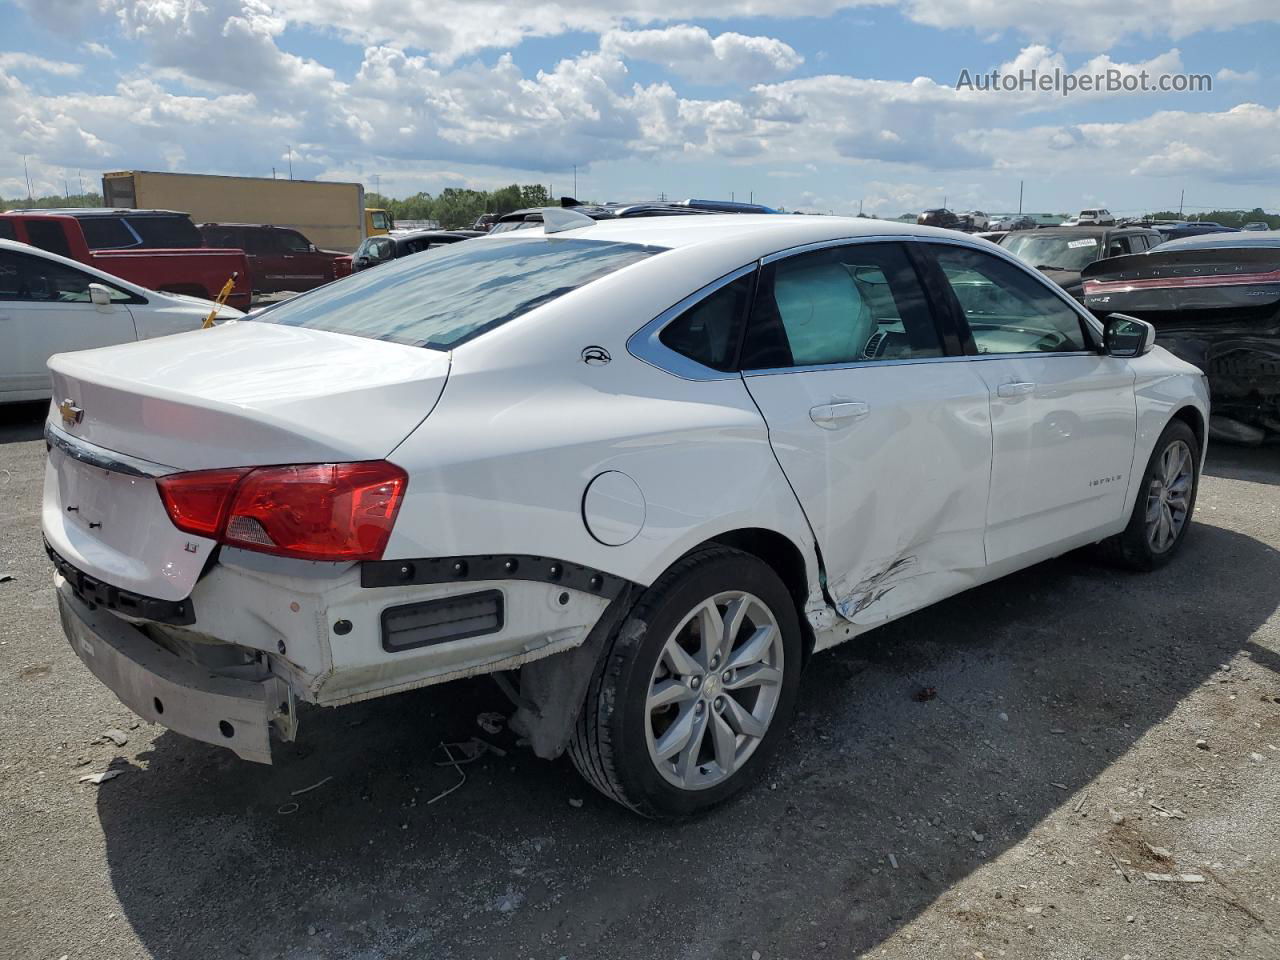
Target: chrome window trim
{"x":645,"y":346}
{"x":840,"y":242}
{"x":101,"y":457}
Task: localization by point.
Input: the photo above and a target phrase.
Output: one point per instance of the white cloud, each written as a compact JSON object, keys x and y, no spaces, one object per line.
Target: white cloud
{"x":16,"y":61}
{"x":1227,"y":75}
{"x":692,"y":52}
{"x":97,"y":49}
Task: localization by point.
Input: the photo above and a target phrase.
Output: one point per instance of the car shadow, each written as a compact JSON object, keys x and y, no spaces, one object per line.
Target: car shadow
{"x":20,"y":422}
{"x":942,"y":739}
{"x":1255,"y":464}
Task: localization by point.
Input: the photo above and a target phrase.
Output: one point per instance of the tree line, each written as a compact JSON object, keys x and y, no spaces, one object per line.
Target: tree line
{"x":456,"y":208}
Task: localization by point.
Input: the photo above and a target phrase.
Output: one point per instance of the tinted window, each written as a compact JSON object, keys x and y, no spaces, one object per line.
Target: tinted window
{"x":48,"y":235}
{"x":7,"y":232}
{"x":709,"y":331}
{"x":381,"y":221}
{"x":107,"y":233}
{"x":222,"y":237}
{"x":1118,"y":247}
{"x":38,"y":280}
{"x":456,"y":293}
{"x":293,"y":242}
{"x":1008,"y":309}
{"x":847,"y":304}
{"x":166,"y":231}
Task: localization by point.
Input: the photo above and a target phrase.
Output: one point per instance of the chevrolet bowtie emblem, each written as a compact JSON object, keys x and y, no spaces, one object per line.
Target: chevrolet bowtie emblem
{"x":71,"y":414}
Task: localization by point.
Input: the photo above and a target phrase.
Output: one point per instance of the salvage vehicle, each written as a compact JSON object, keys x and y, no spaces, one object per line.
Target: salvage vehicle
{"x":157,"y":249}
{"x":280,"y":258}
{"x":1060,"y":253}
{"x":1256,"y":225}
{"x":642,"y":470}
{"x":51,"y":304}
{"x":378,"y":250}
{"x":938,"y":217}
{"x":1215,"y":302}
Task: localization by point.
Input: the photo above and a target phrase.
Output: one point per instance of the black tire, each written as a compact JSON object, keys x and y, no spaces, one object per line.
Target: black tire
{"x":609,"y":745}
{"x":1132,"y":548}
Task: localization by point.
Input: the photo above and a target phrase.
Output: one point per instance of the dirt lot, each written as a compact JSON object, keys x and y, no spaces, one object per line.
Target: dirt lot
{"x":1013,"y":815}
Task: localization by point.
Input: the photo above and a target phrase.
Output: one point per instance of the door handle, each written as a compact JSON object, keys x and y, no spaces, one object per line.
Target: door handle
{"x":830,"y":415}
{"x":1015,"y":389}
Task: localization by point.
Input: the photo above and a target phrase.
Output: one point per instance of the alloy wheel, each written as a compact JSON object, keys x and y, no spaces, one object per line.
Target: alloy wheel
{"x":1169,"y":496}
{"x":714,"y":690}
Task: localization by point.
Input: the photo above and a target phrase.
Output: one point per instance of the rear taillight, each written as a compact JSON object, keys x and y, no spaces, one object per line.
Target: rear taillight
{"x":197,"y":502}
{"x":319,"y":511}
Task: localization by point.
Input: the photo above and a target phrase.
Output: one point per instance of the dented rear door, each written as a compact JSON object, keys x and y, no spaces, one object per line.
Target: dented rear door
{"x":885,"y":439}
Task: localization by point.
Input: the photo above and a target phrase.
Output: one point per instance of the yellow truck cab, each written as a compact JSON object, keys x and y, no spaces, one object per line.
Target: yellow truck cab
{"x":377,"y":222}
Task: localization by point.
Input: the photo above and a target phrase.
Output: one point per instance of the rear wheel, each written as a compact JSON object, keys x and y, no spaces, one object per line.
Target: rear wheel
{"x":1166,"y":500}
{"x":698,"y":685}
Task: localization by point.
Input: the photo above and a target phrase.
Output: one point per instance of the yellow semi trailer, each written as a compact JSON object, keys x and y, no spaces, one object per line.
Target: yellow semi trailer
{"x":330,"y":215}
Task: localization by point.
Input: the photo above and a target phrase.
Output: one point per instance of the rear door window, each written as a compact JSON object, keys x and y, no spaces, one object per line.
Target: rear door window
{"x":293,"y":242}
{"x":848,"y":304}
{"x":709,"y":331}
{"x":457,"y":293}
{"x":48,"y":235}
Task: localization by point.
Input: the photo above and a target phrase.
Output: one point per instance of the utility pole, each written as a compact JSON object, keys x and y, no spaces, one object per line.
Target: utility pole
{"x":27,"y":173}
{"x":751,"y":197}
{"x":731,"y":195}
{"x":377,"y":183}
{"x":859,"y":208}
{"x":1020,"y":183}
{"x":1181,"y":200}
{"x":273,"y":173}
{"x":575,"y":181}
{"x":80,"y":177}
{"x":289,"y":147}
{"x":66,"y":190}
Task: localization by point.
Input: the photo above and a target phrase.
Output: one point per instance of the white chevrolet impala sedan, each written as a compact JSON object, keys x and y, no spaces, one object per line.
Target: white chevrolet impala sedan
{"x":640,"y":471}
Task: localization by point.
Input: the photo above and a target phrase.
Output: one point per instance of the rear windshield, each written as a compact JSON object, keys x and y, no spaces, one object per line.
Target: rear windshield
{"x":445,"y":297}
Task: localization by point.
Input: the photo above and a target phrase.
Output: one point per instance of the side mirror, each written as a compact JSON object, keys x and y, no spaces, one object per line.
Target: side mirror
{"x":312,"y":248}
{"x":99,"y":295}
{"x":1125,"y":336}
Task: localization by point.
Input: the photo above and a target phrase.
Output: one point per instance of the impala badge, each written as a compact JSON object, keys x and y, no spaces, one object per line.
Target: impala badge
{"x":71,"y":414}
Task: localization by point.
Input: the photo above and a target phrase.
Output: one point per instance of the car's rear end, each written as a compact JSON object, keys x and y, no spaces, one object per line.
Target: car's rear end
{"x":218,"y":505}
{"x":207,"y":499}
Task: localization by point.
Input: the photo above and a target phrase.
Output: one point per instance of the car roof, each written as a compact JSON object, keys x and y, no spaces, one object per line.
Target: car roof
{"x":749,"y":236}
{"x":256,"y":226}
{"x":99,"y":212}
{"x":419,"y":234}
{"x":1252,"y":238}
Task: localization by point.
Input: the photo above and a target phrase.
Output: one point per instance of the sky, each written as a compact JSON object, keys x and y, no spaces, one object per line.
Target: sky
{"x":822,"y":105}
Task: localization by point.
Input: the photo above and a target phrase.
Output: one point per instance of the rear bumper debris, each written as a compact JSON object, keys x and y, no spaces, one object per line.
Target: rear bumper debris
{"x":162,"y":688}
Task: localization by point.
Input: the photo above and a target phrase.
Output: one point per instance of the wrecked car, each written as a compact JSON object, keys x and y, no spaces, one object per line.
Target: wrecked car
{"x":642,"y":469}
{"x":1215,"y":302}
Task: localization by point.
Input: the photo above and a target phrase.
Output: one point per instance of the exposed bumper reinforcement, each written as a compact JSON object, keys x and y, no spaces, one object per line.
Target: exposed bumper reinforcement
{"x":165,"y":689}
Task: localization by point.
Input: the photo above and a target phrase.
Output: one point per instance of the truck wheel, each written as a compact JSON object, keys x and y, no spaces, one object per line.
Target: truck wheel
{"x":1166,"y":500}
{"x":696,"y":688}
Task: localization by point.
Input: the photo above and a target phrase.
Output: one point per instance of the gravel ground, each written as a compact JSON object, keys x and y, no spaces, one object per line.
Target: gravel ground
{"x":1014,"y":814}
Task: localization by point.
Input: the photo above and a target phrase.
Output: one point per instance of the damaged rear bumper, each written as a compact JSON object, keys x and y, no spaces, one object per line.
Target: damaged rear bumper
{"x":162,"y":688}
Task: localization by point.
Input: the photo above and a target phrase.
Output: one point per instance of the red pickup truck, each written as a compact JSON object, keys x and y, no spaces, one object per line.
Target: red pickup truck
{"x":159,"y":249}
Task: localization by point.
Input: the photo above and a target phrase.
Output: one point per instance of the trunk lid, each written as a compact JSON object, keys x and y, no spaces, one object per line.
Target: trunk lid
{"x":243,"y":394}
{"x":249,"y":394}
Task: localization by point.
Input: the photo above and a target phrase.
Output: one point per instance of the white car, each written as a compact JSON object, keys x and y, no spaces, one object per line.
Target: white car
{"x":641,"y":470}
{"x":50,"y":304}
{"x":1093,"y":217}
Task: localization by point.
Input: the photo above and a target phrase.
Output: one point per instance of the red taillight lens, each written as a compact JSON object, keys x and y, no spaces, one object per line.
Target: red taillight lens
{"x":322,"y":511}
{"x":197,"y":502}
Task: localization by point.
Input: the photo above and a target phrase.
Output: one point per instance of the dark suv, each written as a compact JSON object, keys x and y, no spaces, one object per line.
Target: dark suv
{"x":376,"y":250}
{"x":280,"y":258}
{"x":939,"y":217}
